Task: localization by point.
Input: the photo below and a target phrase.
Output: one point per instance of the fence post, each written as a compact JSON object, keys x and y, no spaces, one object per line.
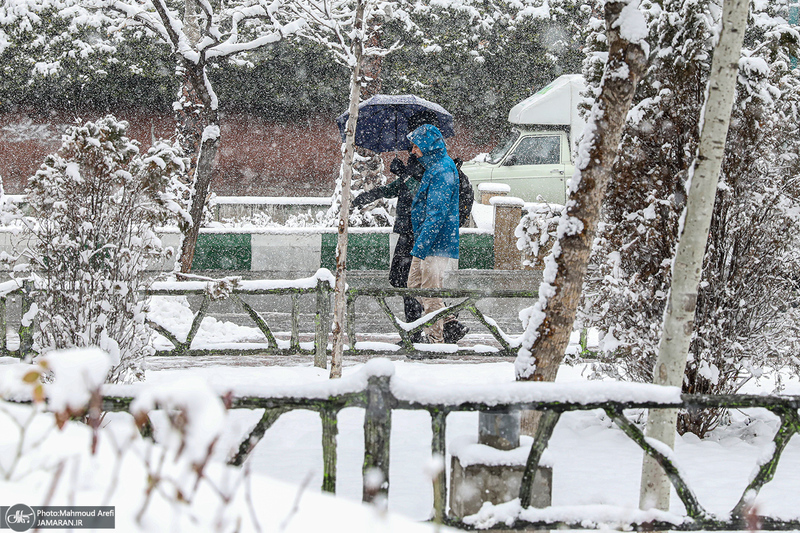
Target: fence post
{"x":330,"y":430}
{"x":3,"y":326}
{"x":507,"y":214}
{"x":26,"y":325}
{"x":377,"y":434}
{"x":295,"y":342}
{"x":438,"y":449}
{"x":322,"y":324}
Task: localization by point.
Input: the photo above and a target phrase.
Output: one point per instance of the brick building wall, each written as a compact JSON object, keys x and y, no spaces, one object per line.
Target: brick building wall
{"x":256,"y":157}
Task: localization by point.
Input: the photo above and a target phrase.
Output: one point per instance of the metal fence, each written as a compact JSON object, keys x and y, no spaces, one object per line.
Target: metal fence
{"x":384,"y":394}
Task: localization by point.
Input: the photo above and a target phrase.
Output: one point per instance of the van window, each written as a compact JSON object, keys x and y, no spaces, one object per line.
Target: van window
{"x":500,"y":150}
{"x":538,"y":151}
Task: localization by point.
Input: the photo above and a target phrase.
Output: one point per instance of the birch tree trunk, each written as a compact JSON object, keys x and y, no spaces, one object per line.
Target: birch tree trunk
{"x":339,"y":296}
{"x":688,"y":265}
{"x":552,"y":317}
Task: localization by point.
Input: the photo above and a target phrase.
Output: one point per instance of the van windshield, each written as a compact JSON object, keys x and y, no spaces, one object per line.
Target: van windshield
{"x":502,"y":149}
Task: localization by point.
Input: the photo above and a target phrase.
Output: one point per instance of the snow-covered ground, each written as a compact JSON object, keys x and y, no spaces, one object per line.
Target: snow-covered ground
{"x":593,"y":462}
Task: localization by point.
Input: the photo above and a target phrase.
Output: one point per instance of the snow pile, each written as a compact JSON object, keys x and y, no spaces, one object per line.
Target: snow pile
{"x":490,"y":187}
{"x":589,"y":516}
{"x":469,"y":452}
{"x":175,"y":315}
{"x":77,"y":372}
{"x":172,"y":485}
{"x":323,"y":274}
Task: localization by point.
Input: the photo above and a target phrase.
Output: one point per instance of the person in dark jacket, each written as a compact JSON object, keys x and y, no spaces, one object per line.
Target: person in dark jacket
{"x":435,"y":219}
{"x":404,"y":188}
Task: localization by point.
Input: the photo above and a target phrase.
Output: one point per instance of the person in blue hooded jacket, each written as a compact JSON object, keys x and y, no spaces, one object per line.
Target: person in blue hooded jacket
{"x":435,"y":219}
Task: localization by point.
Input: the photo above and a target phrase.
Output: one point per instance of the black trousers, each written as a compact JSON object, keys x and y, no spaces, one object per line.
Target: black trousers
{"x":398,"y":274}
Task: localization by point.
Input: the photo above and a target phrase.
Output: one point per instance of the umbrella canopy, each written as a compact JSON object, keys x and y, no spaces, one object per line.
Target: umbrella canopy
{"x":383,"y":121}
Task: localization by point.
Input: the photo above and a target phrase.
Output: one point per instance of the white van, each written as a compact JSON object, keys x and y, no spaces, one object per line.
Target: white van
{"x":536,"y":159}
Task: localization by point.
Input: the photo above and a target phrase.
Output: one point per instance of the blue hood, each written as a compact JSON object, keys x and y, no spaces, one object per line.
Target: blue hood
{"x":430,"y":141}
{"x":434,"y":212}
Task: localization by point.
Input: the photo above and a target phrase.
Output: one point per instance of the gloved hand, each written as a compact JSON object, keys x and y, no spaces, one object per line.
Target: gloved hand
{"x":397,"y":167}
{"x":414,"y":168}
{"x":359,"y":202}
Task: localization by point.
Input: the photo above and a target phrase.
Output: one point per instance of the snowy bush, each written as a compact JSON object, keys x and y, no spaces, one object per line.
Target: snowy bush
{"x":367,"y":174}
{"x":157,"y":486}
{"x":94,"y":206}
{"x":536,"y":232}
{"x":747,"y":318}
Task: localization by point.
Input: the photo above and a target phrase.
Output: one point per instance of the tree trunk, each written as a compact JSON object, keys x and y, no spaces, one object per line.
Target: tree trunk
{"x":549,"y":328}
{"x":197,"y":128}
{"x":198,"y":134}
{"x":202,"y":186}
{"x":368,"y":174}
{"x":688,"y":265}
{"x":339,"y":296}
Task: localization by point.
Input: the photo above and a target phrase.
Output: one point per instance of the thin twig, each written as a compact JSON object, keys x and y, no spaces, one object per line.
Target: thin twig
{"x":296,"y":505}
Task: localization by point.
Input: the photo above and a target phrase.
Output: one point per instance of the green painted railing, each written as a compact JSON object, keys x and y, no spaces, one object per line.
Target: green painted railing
{"x":223,"y":251}
{"x":379,"y":399}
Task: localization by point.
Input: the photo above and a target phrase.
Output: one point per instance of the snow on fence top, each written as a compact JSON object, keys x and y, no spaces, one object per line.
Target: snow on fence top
{"x":273,"y":200}
{"x":506,"y":200}
{"x":494,"y":187}
{"x":323,"y":274}
{"x":533,"y":392}
{"x":274,"y":230}
{"x":238,"y":200}
{"x":513,"y":392}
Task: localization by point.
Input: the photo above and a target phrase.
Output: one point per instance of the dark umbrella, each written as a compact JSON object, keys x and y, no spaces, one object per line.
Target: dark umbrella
{"x":383,"y":121}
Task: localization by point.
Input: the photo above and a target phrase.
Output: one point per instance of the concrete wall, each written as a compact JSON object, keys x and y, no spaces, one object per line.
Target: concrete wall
{"x":304,"y":250}
{"x":294,"y":252}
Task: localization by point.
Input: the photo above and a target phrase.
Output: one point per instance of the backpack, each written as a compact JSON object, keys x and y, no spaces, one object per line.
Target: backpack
{"x":466,"y":196}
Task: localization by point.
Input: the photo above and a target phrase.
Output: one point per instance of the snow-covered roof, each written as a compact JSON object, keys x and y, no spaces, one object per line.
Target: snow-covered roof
{"x":555,"y":104}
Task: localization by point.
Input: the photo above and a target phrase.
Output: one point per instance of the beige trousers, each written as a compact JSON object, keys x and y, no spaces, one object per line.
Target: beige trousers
{"x":428,"y":274}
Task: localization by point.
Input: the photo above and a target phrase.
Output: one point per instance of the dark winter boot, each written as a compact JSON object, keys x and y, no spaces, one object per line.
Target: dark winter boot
{"x":454,"y":331}
{"x":412,"y":308}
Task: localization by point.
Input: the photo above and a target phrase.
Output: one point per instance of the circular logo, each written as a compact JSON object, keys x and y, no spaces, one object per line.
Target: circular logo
{"x":20,"y":517}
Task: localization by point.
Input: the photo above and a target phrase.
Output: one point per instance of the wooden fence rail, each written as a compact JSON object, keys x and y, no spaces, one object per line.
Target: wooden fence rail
{"x":383,"y":393}
{"x":318,"y":287}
